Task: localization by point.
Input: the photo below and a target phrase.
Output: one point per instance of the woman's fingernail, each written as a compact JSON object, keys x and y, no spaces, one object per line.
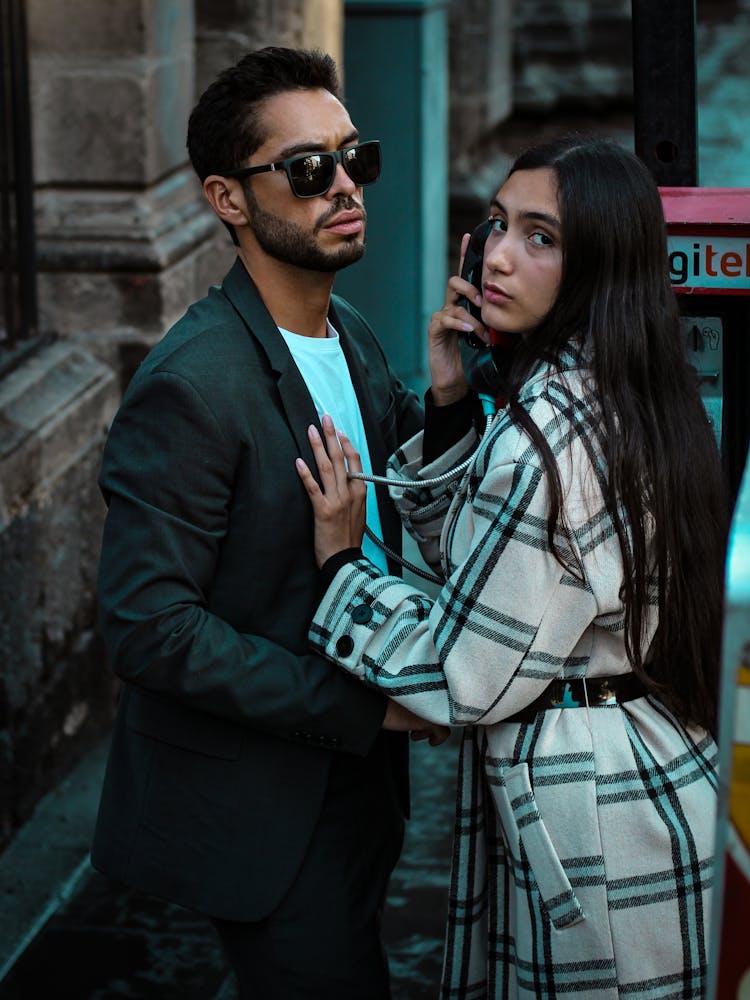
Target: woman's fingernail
{"x":312,"y":433}
{"x":468,"y":327}
{"x":478,"y":299}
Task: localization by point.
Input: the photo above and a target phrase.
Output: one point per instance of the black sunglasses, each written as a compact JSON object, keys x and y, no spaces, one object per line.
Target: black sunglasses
{"x":311,"y":174}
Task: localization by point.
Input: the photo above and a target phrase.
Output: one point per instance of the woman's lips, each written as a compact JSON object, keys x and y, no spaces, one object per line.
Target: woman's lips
{"x":497,"y":296}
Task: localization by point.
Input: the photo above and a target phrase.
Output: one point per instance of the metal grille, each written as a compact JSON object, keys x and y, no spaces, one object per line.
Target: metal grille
{"x":18,"y":306}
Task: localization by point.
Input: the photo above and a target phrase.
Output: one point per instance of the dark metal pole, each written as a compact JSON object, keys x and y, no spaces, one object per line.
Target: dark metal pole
{"x":23,"y":171}
{"x":7,"y":256}
{"x":664,"y":90}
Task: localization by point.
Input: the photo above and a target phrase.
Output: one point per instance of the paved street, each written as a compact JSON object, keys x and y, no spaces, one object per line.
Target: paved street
{"x":110,"y":943}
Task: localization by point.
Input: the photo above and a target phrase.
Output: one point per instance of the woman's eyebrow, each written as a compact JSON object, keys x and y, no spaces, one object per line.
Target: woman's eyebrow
{"x":530,"y":214}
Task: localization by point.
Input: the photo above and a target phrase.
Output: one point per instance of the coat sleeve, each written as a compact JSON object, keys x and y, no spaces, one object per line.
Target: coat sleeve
{"x":501,"y":627}
{"x":167,"y":476}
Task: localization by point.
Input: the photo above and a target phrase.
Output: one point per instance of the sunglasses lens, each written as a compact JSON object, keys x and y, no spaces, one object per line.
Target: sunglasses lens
{"x":311,"y":175}
{"x":362,"y":162}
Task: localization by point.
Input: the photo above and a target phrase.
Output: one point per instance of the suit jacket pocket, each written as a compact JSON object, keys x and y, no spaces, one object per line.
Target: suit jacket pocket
{"x":557,"y":894}
{"x":182,"y":727}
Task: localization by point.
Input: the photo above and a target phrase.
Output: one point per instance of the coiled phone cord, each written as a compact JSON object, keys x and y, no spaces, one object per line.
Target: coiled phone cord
{"x":488,"y":405}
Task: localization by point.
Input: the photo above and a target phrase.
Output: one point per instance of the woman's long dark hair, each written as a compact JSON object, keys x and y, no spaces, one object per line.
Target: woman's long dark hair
{"x":665,"y":489}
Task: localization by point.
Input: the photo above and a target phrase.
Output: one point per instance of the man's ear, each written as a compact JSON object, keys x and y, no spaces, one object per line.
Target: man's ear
{"x":227,"y":199}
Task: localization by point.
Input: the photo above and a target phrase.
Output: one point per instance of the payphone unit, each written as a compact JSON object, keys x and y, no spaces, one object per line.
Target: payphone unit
{"x":709,"y":258}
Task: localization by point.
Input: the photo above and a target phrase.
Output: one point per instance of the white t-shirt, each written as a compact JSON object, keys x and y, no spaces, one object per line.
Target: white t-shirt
{"x":323,"y":366}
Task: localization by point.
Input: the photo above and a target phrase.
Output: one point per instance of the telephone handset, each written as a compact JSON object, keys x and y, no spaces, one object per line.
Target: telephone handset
{"x":481,"y":361}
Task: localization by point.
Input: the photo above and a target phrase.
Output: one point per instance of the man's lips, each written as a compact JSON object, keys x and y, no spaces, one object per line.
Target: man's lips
{"x":345,"y":224}
{"x":495,"y":294}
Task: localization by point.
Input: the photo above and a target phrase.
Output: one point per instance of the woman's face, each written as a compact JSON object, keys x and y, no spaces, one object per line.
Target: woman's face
{"x":523,"y":254}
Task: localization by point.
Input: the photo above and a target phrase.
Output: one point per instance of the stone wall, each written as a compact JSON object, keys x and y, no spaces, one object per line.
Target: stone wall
{"x":125,"y":242}
{"x":571,"y":53}
{"x":55,"y":696}
{"x":548,"y":64}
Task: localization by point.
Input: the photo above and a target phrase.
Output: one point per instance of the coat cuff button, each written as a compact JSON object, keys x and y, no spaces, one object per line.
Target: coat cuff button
{"x":344,"y":645}
{"x":362,"y":614}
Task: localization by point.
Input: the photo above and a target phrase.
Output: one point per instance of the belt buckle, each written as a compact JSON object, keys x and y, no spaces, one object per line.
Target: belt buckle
{"x":606,"y":695}
{"x":566,"y":700}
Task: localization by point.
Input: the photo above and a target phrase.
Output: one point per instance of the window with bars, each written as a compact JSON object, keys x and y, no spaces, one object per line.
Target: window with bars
{"x":18,"y":305}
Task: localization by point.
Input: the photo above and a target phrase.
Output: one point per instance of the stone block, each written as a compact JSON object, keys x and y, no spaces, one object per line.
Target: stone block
{"x":227,"y":29}
{"x":102,"y":310}
{"x":122,"y":122}
{"x":170,"y":91}
{"x":118,"y":28}
{"x":90,"y":124}
{"x":217,"y":50}
{"x":55,"y":695}
{"x":480,"y":70}
{"x":126,"y":229}
{"x":50,"y":408}
{"x":227,"y":15}
{"x":98,"y":310}
{"x":170,"y":27}
{"x":323,"y":27}
{"x":576,"y":52}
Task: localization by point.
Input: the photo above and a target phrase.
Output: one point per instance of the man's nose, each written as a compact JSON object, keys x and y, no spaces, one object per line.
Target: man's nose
{"x":342,"y":183}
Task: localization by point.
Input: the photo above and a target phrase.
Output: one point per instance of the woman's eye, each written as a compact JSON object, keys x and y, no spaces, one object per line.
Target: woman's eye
{"x":541,"y":240}
{"x":498,"y":225}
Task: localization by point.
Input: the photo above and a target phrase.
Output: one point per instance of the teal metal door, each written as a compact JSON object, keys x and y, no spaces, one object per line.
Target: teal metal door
{"x":396,"y":87}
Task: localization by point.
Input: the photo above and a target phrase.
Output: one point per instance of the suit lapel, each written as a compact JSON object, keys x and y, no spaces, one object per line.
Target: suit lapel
{"x":360,"y":380}
{"x":389,"y":519}
{"x":296,"y":401}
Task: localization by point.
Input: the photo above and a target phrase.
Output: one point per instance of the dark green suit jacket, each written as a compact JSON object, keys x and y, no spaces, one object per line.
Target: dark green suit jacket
{"x":227,"y":723}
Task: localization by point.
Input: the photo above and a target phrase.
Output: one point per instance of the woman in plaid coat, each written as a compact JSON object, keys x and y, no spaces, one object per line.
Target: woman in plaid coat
{"x":577,"y":629}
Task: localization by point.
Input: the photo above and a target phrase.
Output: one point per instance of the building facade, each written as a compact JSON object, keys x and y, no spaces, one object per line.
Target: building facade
{"x":124,"y":242}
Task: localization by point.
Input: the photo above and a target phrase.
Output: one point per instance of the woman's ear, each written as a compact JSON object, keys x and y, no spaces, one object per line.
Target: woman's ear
{"x":227,"y":198}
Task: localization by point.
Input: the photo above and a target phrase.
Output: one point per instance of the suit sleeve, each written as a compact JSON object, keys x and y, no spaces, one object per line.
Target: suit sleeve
{"x":167,"y":475}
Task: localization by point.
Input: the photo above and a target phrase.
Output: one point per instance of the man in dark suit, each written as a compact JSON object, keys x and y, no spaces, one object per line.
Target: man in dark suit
{"x":248,"y":778}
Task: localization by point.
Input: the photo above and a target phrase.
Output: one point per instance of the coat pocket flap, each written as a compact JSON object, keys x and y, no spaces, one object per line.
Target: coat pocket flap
{"x":182,"y":727}
{"x":556,"y":891}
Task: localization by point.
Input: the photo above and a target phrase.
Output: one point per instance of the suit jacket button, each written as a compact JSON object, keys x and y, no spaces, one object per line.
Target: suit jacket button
{"x":344,"y":645}
{"x":362,"y":614}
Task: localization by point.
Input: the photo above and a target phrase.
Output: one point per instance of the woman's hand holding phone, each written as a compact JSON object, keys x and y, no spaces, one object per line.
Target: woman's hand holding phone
{"x":447,"y":373}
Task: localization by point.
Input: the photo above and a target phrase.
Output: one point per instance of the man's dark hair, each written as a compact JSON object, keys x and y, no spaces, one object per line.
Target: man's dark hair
{"x":224,"y":130}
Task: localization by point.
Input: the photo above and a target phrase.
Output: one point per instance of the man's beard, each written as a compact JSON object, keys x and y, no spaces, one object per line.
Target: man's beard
{"x":290,"y":243}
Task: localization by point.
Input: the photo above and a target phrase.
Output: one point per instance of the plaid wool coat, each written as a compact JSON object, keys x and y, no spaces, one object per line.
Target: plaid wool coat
{"x":583,"y":847}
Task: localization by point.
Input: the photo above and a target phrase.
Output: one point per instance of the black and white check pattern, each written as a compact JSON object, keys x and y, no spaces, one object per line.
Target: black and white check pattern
{"x":583,"y":844}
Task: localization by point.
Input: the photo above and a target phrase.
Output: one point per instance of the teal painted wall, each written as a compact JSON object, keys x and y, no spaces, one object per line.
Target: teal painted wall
{"x":396,"y":87}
